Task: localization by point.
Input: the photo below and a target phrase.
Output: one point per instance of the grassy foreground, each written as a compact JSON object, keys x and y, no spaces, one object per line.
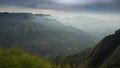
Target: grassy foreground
{"x":16,"y":58}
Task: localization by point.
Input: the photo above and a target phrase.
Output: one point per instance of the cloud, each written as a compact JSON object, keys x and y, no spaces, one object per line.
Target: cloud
{"x":65,"y":5}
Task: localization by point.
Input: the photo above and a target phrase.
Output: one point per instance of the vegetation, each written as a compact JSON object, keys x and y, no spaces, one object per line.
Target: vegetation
{"x":41,"y":35}
{"x":16,"y":58}
{"x":47,"y":38}
{"x":104,"y":55}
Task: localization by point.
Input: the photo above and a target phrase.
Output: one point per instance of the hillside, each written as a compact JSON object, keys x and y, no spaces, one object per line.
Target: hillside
{"x":40,"y":34}
{"x":104,"y":55}
{"x":106,"y":50}
{"x":113,"y":60}
{"x":16,"y":58}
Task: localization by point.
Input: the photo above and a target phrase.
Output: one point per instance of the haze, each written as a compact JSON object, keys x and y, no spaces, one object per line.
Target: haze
{"x":93,"y":16}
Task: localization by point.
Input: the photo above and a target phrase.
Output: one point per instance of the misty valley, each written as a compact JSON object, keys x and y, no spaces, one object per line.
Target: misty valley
{"x":41,"y":41}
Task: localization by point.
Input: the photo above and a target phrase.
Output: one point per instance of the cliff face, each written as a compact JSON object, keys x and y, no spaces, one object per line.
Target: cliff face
{"x":106,"y":50}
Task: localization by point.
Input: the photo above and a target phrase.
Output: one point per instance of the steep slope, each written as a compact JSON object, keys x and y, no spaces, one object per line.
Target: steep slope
{"x":107,"y":51}
{"x":113,"y":61}
{"x":106,"y":54}
{"x":40,"y":34}
{"x":78,"y":59}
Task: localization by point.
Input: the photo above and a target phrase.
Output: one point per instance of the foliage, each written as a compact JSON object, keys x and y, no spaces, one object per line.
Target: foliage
{"x":16,"y":58}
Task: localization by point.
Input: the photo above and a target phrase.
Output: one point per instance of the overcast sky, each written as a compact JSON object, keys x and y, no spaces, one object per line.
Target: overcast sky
{"x":95,"y":14}
{"x":63,"y":5}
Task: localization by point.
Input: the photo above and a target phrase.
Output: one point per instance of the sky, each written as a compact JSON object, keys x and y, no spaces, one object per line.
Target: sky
{"x":97,"y":15}
{"x":60,"y":5}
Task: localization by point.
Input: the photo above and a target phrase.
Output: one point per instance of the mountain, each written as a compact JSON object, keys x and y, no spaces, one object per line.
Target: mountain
{"x":40,"y":34}
{"x":106,"y":54}
{"x":94,"y":25}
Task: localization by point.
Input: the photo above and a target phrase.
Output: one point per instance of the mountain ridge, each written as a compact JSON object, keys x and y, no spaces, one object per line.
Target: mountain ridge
{"x":104,"y":55}
{"x":105,"y":48}
{"x":41,"y":35}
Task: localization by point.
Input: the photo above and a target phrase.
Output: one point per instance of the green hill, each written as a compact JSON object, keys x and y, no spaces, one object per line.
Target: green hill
{"x":16,"y":58}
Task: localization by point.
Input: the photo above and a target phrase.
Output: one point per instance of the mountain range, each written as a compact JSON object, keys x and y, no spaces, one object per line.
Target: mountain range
{"x":65,"y":46}
{"x":40,"y":34}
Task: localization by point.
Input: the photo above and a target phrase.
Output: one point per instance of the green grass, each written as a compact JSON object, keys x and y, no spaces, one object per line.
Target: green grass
{"x":16,"y":58}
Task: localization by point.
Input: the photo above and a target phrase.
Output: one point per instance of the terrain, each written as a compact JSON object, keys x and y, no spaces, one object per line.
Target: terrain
{"x":40,"y":34}
{"x":17,"y":58}
{"x":104,"y":55}
{"x":39,"y":41}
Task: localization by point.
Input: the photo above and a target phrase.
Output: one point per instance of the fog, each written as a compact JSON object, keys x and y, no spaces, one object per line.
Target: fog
{"x":98,"y":25}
